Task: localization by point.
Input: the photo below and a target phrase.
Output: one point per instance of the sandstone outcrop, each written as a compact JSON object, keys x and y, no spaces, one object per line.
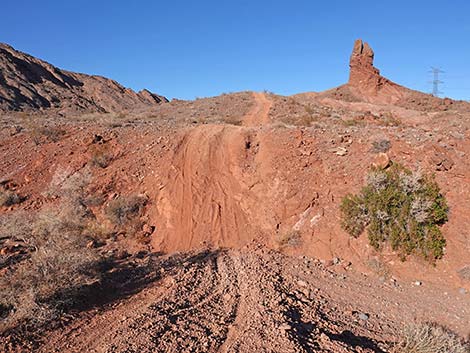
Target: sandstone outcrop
{"x":365,"y":78}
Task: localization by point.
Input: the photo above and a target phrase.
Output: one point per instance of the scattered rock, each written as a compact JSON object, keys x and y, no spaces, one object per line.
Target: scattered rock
{"x":341,"y":151}
{"x":363,"y":316}
{"x":440,"y":159}
{"x":382,"y":161}
{"x":148,"y":229}
{"x":121,"y":254}
{"x":91,"y":244}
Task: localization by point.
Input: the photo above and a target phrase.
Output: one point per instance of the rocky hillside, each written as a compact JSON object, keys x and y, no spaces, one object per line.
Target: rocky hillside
{"x":29,"y":83}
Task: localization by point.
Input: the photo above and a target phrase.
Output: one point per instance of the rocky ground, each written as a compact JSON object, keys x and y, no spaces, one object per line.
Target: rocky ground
{"x":252,"y":300}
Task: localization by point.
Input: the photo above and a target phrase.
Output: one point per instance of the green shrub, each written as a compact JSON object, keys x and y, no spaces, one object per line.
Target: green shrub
{"x":398,"y":207}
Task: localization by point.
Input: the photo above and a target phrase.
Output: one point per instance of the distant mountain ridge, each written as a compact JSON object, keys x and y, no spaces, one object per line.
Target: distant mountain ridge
{"x":28,"y":83}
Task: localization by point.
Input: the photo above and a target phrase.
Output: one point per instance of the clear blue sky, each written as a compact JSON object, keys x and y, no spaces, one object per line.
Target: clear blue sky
{"x":188,"y":49}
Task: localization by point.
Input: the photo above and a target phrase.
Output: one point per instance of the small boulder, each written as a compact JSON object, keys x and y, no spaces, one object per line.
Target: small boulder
{"x":382,"y":161}
{"x":363,"y":316}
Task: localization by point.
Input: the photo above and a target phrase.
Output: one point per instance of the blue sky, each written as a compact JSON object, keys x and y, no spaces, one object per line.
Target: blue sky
{"x":188,"y":49}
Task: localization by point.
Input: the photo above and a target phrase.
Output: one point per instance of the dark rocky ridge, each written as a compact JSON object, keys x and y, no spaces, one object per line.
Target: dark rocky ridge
{"x":28,"y":83}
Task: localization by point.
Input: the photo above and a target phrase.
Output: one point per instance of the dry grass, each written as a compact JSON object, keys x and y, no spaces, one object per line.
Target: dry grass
{"x":430,"y":338}
{"x":379,"y":268}
{"x":388,"y":119}
{"x":60,"y":266}
{"x":40,"y":130}
{"x":289,"y":238}
{"x":54,"y":275}
{"x":232,"y":120}
{"x":125,"y":210}
{"x":381,"y":146}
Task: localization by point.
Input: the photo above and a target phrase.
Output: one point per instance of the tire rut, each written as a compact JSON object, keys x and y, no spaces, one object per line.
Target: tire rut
{"x":222,"y":302}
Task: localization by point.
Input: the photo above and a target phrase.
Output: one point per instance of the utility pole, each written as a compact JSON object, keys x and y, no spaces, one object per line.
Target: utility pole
{"x":435,"y":82}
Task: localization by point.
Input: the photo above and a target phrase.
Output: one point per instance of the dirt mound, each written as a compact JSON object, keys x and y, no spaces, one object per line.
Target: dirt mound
{"x":29,"y":83}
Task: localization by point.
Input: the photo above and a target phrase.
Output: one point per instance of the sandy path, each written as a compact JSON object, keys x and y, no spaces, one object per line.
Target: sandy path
{"x":259,"y":113}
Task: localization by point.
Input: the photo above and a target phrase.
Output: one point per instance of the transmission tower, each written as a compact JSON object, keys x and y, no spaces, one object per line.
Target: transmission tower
{"x":435,"y":82}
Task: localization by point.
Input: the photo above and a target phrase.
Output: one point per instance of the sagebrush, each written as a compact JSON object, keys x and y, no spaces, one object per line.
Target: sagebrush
{"x":399,"y":207}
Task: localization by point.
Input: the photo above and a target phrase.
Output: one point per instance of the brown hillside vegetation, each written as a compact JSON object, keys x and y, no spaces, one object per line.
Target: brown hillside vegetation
{"x":214,"y":225}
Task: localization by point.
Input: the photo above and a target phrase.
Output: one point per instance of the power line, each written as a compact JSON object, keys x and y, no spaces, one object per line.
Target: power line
{"x":435,"y":82}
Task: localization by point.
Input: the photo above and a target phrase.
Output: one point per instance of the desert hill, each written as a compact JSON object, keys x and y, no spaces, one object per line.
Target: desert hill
{"x":214,"y":225}
{"x":28,"y":83}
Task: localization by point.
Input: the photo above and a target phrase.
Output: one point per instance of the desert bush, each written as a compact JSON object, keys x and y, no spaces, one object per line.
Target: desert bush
{"x":40,"y":130}
{"x":310,"y":109}
{"x":125,"y":209}
{"x":232,"y":120}
{"x":380,"y":146}
{"x":288,"y":238}
{"x":352,"y":122}
{"x":101,"y":156}
{"x":379,"y":267}
{"x":41,"y":133}
{"x":306,"y":119}
{"x":9,"y":198}
{"x":398,"y":207}
{"x":59,"y":269}
{"x":388,"y":119}
{"x":60,"y":266}
{"x":53,"y":134}
{"x":429,"y":338}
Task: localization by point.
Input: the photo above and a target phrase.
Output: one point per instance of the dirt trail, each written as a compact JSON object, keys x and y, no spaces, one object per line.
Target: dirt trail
{"x":219,"y":302}
{"x":202,"y":198}
{"x":259,"y":114}
{"x":256,"y":300}
{"x":207,"y":194}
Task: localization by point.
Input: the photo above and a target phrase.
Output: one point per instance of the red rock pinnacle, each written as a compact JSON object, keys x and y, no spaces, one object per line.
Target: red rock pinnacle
{"x":362,"y":71}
